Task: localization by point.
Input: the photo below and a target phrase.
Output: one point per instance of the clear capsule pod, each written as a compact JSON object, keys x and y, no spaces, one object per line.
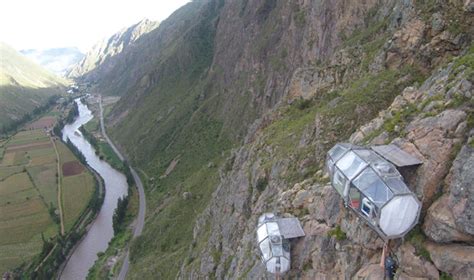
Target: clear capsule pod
{"x":372,"y":186}
{"x":273,"y":234}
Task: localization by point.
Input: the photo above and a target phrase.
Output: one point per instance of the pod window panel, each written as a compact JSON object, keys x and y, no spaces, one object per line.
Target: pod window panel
{"x":337,"y":151}
{"x":373,"y":187}
{"x":397,"y":185}
{"x":367,"y":208}
{"x":329,"y":166}
{"x":351,"y":164}
{"x":354,"y":198}
{"x":278,"y":264}
{"x":262,"y":232}
{"x":339,"y":181}
{"x":265,"y":249}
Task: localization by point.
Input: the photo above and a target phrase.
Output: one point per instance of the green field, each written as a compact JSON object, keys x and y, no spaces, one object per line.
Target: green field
{"x":8,"y":171}
{"x":64,"y":153}
{"x":77,"y":191}
{"x":28,"y":188}
{"x":44,"y":177}
{"x":28,"y":137}
{"x":24,"y":217}
{"x":106,"y":152}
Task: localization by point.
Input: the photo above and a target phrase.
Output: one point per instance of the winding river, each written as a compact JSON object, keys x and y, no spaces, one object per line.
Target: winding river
{"x":101,"y":231}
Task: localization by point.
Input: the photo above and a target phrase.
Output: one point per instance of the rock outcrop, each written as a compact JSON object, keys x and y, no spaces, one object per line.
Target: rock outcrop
{"x":455,"y":259}
{"x":450,"y":218}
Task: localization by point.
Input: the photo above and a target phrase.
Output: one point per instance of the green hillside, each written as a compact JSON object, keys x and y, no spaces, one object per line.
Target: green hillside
{"x":24,"y":86}
{"x":229,"y":105}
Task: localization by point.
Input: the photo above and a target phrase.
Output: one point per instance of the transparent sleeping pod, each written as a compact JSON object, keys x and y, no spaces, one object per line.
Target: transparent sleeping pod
{"x":374,"y":189}
{"x":274,"y":248}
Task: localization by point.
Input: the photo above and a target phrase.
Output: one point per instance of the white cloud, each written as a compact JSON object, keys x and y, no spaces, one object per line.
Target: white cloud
{"x":40,"y":24}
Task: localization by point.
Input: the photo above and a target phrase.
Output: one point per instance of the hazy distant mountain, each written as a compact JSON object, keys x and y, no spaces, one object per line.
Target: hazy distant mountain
{"x":24,"y":86}
{"x":57,"y":60}
{"x":99,"y":59}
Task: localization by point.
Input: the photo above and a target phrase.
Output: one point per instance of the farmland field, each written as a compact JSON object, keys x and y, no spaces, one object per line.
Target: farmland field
{"x":77,"y":185}
{"x":28,"y":137}
{"x":8,"y":171}
{"x":29,"y":188}
{"x":44,"y":177}
{"x":64,"y":153}
{"x":24,"y":217}
{"x":44,"y":122}
{"x":77,"y":191}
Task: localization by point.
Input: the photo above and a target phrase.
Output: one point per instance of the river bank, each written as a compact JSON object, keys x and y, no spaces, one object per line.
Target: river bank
{"x":100,"y":232}
{"x":56,"y":173}
{"x":114,"y":261}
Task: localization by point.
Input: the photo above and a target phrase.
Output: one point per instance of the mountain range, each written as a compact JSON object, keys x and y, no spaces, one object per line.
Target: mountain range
{"x":103,"y":55}
{"x":56,"y":60}
{"x":228,"y":109}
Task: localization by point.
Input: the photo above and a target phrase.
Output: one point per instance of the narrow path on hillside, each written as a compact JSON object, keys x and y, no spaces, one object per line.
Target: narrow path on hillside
{"x":140,"y":221}
{"x":60,"y":204}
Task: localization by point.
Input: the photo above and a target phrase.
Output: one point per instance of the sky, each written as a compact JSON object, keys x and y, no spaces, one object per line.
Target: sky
{"x":42,"y":24}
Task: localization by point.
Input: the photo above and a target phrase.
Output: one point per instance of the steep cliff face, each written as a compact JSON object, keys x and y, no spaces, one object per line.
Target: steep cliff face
{"x":280,"y":82}
{"x":98,"y":61}
{"x":281,"y":170}
{"x":349,"y":98}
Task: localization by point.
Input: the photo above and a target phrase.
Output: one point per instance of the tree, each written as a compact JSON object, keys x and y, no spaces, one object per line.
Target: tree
{"x":119,"y":214}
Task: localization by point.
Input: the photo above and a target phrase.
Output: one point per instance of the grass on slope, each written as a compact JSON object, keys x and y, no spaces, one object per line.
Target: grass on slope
{"x":17,"y":69}
{"x":340,"y":114}
{"x":19,"y":105}
{"x":170,"y":123}
{"x":24,"y":87}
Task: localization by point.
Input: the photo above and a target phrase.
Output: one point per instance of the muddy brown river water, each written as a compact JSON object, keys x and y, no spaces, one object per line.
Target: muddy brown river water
{"x":101,"y":231}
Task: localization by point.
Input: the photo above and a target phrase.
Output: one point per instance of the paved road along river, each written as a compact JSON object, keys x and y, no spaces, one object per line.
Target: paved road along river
{"x":101,"y":231}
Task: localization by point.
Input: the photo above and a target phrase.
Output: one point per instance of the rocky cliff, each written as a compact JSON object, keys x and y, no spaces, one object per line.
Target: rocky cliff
{"x":230,"y":111}
{"x":102,"y":57}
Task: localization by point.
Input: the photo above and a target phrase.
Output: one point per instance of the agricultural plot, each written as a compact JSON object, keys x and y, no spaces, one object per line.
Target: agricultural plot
{"x":28,"y":137}
{"x":64,"y":153}
{"x":13,"y":185}
{"x":3,"y":142}
{"x":24,"y":217}
{"x":21,"y":158}
{"x":77,"y":190}
{"x":44,"y":156}
{"x":8,"y":159}
{"x":29,"y":187}
{"x":45,"y":179}
{"x":46,"y":122}
{"x":5,"y":172}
